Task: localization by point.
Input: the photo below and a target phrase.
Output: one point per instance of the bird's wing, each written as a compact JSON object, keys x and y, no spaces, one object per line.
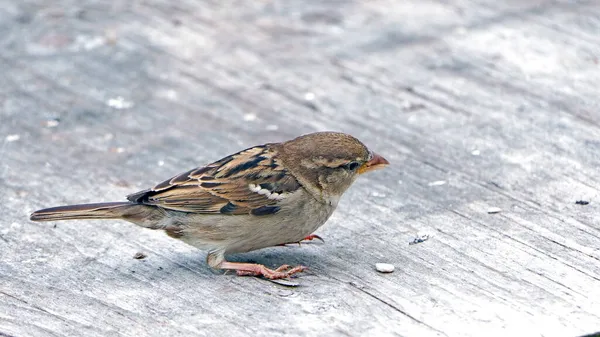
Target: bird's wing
{"x":252,"y":181}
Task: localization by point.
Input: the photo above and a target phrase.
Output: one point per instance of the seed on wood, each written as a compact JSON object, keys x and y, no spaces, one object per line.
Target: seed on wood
{"x":384,"y":267}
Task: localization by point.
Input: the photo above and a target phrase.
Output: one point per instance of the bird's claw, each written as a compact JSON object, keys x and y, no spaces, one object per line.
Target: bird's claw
{"x":284,"y":271}
{"x":308,"y":238}
{"x":313,"y":237}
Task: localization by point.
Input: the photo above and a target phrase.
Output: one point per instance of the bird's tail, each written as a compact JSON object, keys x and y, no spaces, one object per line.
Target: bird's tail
{"x":108,"y":210}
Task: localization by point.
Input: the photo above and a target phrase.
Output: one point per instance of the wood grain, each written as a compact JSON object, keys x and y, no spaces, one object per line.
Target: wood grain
{"x":477,"y":104}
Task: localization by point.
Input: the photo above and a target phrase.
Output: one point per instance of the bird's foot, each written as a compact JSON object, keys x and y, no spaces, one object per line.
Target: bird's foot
{"x":308,"y":238}
{"x":312,"y":237}
{"x":251,"y":269}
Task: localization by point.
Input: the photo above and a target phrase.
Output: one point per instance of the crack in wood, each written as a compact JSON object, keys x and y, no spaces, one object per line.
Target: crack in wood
{"x":394,"y":307}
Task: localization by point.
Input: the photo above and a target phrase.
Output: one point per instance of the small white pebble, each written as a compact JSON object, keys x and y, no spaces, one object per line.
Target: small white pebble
{"x":172,"y":94}
{"x":12,"y":138}
{"x":494,"y":210}
{"x":249,"y":117}
{"x":406,"y":105}
{"x":309,"y":96}
{"x":476,"y":152}
{"x":437,"y":183}
{"x":384,"y":267}
{"x":51,"y":123}
{"x":89,"y":42}
{"x":119,"y":103}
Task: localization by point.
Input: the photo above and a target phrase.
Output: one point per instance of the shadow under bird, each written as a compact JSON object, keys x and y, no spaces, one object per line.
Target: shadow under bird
{"x":264,"y":196}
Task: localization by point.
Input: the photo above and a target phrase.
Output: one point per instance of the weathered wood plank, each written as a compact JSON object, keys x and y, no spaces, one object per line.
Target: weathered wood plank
{"x":477,"y":104}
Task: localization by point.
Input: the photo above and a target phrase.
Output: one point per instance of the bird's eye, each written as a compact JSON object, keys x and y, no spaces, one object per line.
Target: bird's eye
{"x":352,"y":166}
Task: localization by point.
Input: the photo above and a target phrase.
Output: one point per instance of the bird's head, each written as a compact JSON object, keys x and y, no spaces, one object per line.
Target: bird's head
{"x":329,"y":162}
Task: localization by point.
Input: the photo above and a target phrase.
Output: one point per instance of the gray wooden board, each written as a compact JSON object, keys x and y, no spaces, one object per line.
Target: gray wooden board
{"x":477,"y":104}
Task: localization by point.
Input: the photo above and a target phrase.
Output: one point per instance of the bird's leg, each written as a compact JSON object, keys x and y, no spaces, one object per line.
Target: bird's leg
{"x":308,"y":238}
{"x":217,"y":260}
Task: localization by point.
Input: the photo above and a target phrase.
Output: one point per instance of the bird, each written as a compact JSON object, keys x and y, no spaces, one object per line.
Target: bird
{"x":264,"y":196}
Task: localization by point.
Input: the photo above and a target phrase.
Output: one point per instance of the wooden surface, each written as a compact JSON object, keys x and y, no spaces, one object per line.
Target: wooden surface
{"x":477,"y":104}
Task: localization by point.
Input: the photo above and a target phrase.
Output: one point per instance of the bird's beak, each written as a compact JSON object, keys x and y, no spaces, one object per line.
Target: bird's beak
{"x":375,"y":163}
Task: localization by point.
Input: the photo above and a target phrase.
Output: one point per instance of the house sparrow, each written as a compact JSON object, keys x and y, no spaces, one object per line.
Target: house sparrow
{"x":260,"y":197}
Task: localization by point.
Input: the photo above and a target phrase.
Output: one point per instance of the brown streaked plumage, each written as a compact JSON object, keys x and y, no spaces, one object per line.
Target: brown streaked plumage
{"x":260,"y":197}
